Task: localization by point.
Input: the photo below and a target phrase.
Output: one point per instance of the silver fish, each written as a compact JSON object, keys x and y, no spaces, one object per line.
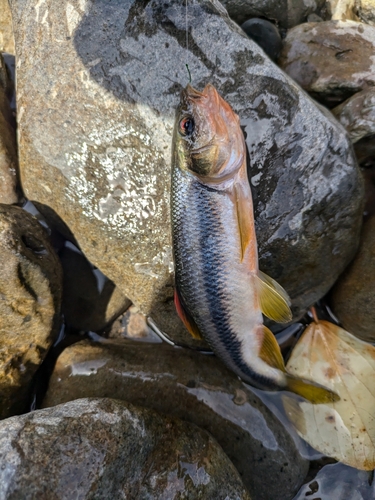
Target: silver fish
{"x":220,"y":292}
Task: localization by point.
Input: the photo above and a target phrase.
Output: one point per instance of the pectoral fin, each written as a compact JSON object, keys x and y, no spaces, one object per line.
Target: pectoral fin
{"x":244,"y":216}
{"x":273,"y":299}
{"x":185,"y":316}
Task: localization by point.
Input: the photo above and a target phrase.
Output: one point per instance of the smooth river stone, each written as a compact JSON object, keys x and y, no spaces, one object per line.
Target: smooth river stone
{"x":30,"y":300}
{"x":192,"y":386}
{"x":95,"y":133}
{"x":94,"y":449}
{"x":331,"y":60}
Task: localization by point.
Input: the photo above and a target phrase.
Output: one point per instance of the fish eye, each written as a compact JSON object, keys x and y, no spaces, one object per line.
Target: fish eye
{"x":186,"y":126}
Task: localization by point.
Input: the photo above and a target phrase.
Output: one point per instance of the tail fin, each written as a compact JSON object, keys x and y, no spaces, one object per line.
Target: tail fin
{"x":314,"y":393}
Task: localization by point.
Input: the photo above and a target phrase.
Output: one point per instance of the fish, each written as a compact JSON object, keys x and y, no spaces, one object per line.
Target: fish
{"x":220,"y":293}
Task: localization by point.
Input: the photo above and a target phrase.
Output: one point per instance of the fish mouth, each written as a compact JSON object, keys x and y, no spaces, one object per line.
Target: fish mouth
{"x":193,"y":93}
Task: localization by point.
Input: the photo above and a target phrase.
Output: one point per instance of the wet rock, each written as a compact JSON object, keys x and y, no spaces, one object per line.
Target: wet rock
{"x":286,"y":13}
{"x":102,"y":448}
{"x":366,"y":11}
{"x":6,"y":29}
{"x":8,"y":149}
{"x":30,"y":291}
{"x":331,"y":60}
{"x":265,"y":34}
{"x":334,"y":479}
{"x":192,"y":386}
{"x":103,"y":165}
{"x":357,"y":114}
{"x":90,"y":301}
{"x":353,"y":296}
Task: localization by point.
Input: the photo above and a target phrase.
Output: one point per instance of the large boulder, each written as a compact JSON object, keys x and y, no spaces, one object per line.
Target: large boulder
{"x":95,"y":134}
{"x":30,"y":293}
{"x":196,"y":388}
{"x":331,"y":60}
{"x":107,"y":449}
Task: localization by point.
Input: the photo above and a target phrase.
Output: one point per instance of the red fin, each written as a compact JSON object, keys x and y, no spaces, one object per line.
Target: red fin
{"x":185,"y":316}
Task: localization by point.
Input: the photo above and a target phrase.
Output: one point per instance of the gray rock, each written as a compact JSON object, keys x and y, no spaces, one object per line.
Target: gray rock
{"x":103,"y":164}
{"x":90,"y":301}
{"x":265,"y":34}
{"x":196,"y":388}
{"x":286,"y":13}
{"x":30,"y":292}
{"x":353,"y":296}
{"x":331,"y":60}
{"x":106,"y":449}
{"x":6,"y":29}
{"x":357,"y":114}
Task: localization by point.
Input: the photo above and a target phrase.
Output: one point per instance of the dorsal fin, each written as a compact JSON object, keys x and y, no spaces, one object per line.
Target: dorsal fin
{"x":185,"y":316}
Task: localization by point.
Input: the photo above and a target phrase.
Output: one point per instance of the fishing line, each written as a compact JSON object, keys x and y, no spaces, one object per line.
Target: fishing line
{"x":187,"y":38}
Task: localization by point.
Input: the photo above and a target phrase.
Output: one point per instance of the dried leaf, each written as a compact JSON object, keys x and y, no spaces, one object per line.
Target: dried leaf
{"x":344,"y":430}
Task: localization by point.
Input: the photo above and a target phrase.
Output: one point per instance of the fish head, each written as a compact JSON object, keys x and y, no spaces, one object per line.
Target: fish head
{"x":208,"y":137}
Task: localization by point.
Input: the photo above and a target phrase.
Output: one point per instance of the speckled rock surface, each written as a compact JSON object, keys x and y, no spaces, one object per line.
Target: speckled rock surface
{"x":366,"y":11}
{"x":196,"y":388}
{"x":30,"y":292}
{"x":331,"y":60}
{"x":353,"y":296}
{"x":107,"y":449}
{"x":286,"y":13}
{"x":357,"y":114}
{"x":8,"y":148}
{"x":6,"y":31}
{"x":103,"y":164}
{"x":90,"y":301}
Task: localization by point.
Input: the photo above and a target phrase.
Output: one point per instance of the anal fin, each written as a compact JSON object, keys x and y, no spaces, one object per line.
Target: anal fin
{"x":270,"y":351}
{"x":185,"y":317}
{"x":274,"y":301}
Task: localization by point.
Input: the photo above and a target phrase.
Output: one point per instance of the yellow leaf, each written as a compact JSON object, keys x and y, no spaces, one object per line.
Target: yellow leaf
{"x":344,"y":430}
